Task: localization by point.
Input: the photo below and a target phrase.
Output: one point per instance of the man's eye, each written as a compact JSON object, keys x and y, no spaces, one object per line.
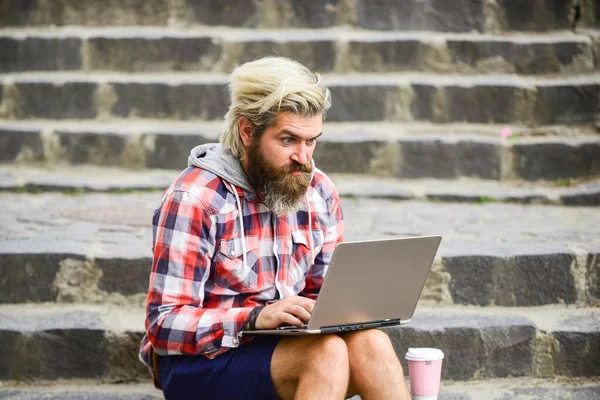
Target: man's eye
{"x":287,"y":140}
{"x":310,"y":142}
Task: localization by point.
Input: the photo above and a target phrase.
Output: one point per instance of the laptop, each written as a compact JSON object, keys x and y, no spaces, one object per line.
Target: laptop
{"x":369,"y":284}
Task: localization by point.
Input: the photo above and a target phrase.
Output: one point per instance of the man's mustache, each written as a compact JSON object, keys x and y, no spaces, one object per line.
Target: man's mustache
{"x":297,"y":167}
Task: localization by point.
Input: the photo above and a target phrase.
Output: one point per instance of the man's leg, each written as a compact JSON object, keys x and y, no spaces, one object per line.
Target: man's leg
{"x":375,"y":371}
{"x":311,"y":367}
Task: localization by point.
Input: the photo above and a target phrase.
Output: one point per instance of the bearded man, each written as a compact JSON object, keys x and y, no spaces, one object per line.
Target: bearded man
{"x":242,"y":240}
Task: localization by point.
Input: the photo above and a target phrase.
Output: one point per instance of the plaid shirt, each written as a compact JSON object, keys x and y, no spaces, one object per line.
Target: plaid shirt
{"x":201,"y":293}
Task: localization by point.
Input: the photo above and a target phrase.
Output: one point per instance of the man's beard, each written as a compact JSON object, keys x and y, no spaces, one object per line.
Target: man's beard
{"x":279,"y":190}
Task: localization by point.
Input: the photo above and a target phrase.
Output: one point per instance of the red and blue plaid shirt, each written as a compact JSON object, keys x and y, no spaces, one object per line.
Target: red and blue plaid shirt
{"x":201,"y":293}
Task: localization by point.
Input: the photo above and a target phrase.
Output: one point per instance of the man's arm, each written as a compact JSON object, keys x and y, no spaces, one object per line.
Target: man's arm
{"x":184,"y":243}
{"x":333,"y":236}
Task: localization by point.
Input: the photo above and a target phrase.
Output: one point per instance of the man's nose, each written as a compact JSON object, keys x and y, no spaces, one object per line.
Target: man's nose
{"x":302,"y":154}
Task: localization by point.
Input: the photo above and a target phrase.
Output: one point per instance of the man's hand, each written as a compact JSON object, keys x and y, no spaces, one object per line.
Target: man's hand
{"x":295,"y":311}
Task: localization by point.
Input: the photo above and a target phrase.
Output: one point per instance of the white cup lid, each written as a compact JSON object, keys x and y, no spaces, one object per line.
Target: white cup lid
{"x":424,"y":354}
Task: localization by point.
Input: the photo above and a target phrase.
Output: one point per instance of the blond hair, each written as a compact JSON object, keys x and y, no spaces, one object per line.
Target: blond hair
{"x":261,"y":89}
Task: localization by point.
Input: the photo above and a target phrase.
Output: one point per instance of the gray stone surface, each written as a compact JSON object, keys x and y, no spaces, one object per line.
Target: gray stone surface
{"x":221,"y":50}
{"x":484,"y":103}
{"x":61,"y":101}
{"x":566,"y":104}
{"x":578,"y":352}
{"x":71,"y":12}
{"x":346,"y":157}
{"x":123,"y":275}
{"x":522,"y":58}
{"x":185,"y":101}
{"x":524,"y":255}
{"x":360,"y":103}
{"x":484,"y":389}
{"x":449,"y":159}
{"x":434,"y":15}
{"x":89,"y":148}
{"x":20,"y":145}
{"x":227,"y":12}
{"x":555,"y":160}
{"x":170,"y":151}
{"x":538,"y":16}
{"x":522,"y":280}
{"x":593,"y":270}
{"x":317,"y":55}
{"x":476,"y":347}
{"x":477,"y":343}
{"x":40,"y":54}
{"x":26,"y":276}
{"x":158,"y":54}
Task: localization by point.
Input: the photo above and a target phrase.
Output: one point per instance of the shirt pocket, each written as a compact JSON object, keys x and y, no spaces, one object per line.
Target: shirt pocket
{"x":301,"y":257}
{"x":230,"y":270}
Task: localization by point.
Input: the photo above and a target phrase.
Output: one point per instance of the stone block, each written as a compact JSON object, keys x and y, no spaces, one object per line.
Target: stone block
{"x":525,"y":15}
{"x":18,"y":145}
{"x":433,"y":15}
{"x":578,"y":352}
{"x":70,"y":100}
{"x":171,"y":151}
{"x":425,"y":103}
{"x":556,"y":160}
{"x":524,"y":280}
{"x":314,"y":14}
{"x":361,"y":103}
{"x":522,"y":58}
{"x":317,"y":55}
{"x":447,"y":160}
{"x":153,"y":54}
{"x":29,"y":277}
{"x":125,"y":276}
{"x":581,"y":198}
{"x":182,"y":101}
{"x":61,"y":353}
{"x":237,"y":13}
{"x":88,"y":13}
{"x":92,"y":148}
{"x":481,"y":103}
{"x":497,"y":346}
{"x":544,"y":279}
{"x":123,"y":363}
{"x":567,"y":104}
{"x":9,"y":343}
{"x":387,"y":56}
{"x":593,"y":277}
{"x":40,"y":54}
{"x":349,"y":158}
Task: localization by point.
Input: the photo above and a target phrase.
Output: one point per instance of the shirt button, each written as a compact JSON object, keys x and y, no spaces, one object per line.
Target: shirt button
{"x":234,"y":341}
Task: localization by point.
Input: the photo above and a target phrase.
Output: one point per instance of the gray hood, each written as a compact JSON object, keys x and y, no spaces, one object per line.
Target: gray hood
{"x":213,"y":158}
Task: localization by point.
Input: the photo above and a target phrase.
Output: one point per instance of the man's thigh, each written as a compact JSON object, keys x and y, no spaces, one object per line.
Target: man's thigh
{"x":241,"y":373}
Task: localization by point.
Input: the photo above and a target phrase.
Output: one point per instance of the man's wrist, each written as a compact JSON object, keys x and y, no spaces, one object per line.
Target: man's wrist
{"x":250,"y":324}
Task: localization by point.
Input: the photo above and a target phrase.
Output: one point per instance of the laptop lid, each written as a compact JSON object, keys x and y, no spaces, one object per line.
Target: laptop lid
{"x":374,"y":280}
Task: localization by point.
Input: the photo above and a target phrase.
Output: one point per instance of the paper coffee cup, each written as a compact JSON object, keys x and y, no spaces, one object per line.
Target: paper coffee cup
{"x":424,"y":371}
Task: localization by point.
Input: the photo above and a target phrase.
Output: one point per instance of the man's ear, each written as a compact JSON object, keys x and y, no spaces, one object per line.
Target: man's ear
{"x":246,"y":131}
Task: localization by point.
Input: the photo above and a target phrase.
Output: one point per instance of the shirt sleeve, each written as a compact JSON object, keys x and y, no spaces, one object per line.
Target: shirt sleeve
{"x":333,"y":236}
{"x":184,"y":244}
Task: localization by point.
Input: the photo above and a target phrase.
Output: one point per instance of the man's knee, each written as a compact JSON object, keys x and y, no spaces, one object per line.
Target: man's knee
{"x":370,"y":345}
{"x":328,"y":351}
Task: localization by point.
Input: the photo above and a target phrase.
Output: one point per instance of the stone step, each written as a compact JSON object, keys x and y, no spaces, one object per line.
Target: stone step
{"x":88,"y":341}
{"x":96,"y":248}
{"x":397,"y":150}
{"x":339,"y":50}
{"x":490,"y":389}
{"x":432,"y":15}
{"x":87,"y":178}
{"x":356,"y":97}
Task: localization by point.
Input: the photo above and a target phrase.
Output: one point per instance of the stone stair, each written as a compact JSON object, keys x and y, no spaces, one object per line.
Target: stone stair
{"x":100,"y":103}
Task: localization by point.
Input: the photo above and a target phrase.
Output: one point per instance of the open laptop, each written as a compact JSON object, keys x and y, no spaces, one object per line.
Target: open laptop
{"x":369,"y":284}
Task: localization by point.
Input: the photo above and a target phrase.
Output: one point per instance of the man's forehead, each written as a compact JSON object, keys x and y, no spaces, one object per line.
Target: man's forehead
{"x":299,"y":125}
